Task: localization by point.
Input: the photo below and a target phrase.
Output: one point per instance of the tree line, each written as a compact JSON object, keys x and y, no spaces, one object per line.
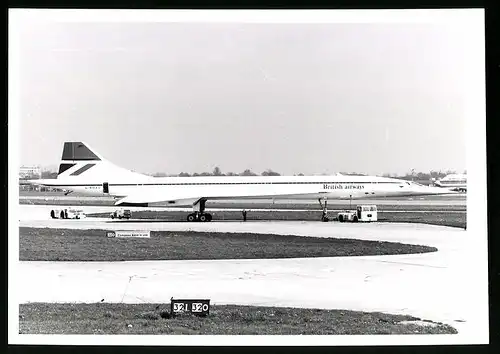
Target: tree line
{"x":217,"y":172}
{"x":422,"y":176}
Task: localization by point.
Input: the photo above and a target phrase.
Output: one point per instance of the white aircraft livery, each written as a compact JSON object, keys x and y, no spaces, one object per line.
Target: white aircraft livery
{"x":82,"y":169}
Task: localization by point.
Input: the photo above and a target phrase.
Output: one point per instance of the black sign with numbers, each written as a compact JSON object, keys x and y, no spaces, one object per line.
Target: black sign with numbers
{"x":195,"y":307}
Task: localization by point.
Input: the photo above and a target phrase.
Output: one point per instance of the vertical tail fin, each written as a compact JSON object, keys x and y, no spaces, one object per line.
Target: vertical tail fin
{"x":75,"y":152}
{"x":78,"y":151}
{"x":79,"y":160}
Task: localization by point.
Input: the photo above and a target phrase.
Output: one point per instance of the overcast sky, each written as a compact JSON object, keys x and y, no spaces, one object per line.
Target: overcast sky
{"x":309,"y":98}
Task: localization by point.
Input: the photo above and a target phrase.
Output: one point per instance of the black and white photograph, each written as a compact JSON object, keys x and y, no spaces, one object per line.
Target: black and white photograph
{"x":247,"y":177}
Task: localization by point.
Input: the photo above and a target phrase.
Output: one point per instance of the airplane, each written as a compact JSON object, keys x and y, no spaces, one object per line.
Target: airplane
{"x":453,"y":182}
{"x":84,"y":170}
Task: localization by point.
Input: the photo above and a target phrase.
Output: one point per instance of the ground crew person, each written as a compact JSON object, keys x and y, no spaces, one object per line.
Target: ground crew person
{"x":244,"y":212}
{"x":324,"y":217}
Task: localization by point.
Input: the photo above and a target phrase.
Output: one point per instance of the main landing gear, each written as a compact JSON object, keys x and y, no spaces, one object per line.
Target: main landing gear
{"x":324,"y":216}
{"x":197,"y":216}
{"x":199,"y":212}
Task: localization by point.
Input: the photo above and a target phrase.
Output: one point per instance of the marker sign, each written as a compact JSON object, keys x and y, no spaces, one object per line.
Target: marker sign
{"x":141,"y":234}
{"x":195,"y":307}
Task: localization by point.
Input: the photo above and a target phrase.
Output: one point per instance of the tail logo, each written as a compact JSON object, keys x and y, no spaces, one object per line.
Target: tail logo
{"x":65,"y":166}
{"x":83,"y":169}
{"x":74,"y":152}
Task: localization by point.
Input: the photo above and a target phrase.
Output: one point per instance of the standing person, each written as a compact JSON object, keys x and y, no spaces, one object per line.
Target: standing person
{"x":244,"y":212}
{"x":324,"y":217}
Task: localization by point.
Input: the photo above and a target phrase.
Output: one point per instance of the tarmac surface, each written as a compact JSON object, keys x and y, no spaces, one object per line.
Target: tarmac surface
{"x":451,"y":200}
{"x":445,"y":286}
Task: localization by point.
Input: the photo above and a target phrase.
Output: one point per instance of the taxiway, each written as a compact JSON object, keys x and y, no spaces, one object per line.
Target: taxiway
{"x":441,"y":286}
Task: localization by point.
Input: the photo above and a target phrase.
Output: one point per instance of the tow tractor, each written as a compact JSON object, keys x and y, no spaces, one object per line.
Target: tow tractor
{"x":67,"y":214}
{"x":363,"y":213}
{"x":121,"y":214}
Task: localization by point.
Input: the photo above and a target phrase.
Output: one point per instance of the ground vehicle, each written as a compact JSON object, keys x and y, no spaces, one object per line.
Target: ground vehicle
{"x":364,"y":213}
{"x":121,"y":214}
{"x":67,"y":214}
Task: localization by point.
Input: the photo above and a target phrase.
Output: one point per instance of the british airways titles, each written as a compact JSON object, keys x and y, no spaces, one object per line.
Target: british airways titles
{"x":340,"y":186}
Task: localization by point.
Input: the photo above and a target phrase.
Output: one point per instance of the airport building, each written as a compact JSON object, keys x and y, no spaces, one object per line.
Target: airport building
{"x":30,"y":172}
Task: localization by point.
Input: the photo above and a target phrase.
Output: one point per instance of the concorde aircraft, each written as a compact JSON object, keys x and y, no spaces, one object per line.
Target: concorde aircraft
{"x":82,"y":169}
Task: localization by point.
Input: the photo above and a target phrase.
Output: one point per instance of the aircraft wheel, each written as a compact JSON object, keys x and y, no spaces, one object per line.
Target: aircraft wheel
{"x":52,"y":214}
{"x":355,"y":219}
{"x":341,"y":218}
{"x":62,"y":214}
{"x":205,"y":217}
{"x":191,"y":218}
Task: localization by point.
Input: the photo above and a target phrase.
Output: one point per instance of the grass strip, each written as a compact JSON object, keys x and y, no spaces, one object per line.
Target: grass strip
{"x":47,"y":244}
{"x":107,"y":318}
